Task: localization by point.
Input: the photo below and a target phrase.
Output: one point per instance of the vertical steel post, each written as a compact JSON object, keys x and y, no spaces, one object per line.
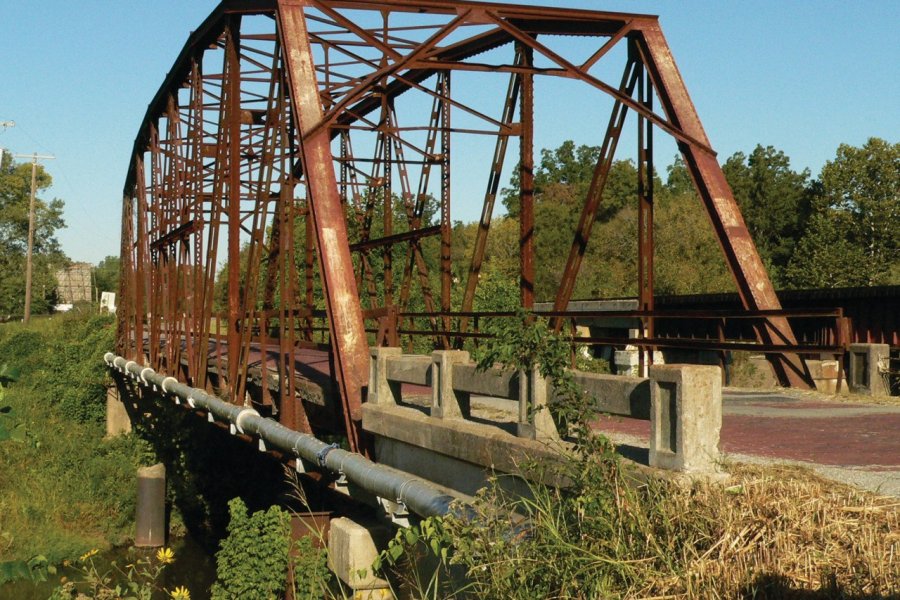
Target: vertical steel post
{"x":645,"y":208}
{"x":446,"y":225}
{"x":526,"y":183}
{"x":232,"y":88}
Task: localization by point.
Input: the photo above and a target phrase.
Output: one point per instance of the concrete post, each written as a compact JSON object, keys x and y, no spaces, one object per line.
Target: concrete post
{"x":352,"y":548}
{"x":381,"y":391}
{"x":866,"y":364}
{"x":150,"y":513}
{"x":117,"y":420}
{"x":445,"y":401}
{"x":685,"y":417}
{"x":535,"y":420}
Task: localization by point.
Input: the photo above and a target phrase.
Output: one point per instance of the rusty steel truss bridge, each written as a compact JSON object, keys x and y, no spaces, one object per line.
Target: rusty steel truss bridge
{"x":309,"y":147}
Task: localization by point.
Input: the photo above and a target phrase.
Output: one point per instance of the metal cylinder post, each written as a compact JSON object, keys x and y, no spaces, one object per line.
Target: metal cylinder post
{"x":150,"y":513}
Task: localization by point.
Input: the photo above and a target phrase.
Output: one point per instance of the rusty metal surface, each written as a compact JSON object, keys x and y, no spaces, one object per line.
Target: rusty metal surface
{"x":291,"y":184}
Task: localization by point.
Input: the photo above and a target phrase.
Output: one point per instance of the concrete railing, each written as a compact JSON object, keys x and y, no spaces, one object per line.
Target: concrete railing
{"x":682,"y":402}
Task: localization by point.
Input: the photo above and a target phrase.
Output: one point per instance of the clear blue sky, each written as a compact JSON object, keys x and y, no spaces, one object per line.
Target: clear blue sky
{"x":801,"y":75}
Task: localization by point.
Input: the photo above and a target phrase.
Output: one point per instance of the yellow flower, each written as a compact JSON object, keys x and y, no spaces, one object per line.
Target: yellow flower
{"x":165,"y":555}
{"x":180,"y":593}
{"x":88,"y":554}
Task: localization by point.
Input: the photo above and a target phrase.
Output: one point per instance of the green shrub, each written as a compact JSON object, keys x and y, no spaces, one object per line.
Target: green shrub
{"x":75,"y":375}
{"x":63,"y":488}
{"x":310,"y":568}
{"x":22,"y":348}
{"x":252,"y":562}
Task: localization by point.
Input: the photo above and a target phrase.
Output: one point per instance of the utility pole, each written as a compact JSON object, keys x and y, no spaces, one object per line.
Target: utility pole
{"x":34,"y":162}
{"x":4,"y":125}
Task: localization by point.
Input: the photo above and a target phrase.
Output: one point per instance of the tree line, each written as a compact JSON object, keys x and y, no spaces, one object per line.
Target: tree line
{"x":839,"y":229}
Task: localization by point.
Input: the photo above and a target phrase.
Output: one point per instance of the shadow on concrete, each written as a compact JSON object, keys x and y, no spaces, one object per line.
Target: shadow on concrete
{"x":634,"y":453}
{"x":768,"y":586}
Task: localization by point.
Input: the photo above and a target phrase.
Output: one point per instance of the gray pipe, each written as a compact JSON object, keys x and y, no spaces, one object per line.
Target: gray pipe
{"x":418,"y":495}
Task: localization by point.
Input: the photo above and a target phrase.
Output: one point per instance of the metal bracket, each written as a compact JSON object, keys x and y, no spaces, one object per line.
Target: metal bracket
{"x":396,"y":511}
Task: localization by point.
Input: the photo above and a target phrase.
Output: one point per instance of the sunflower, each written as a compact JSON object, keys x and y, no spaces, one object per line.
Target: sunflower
{"x":88,"y":554}
{"x":180,"y":593}
{"x":165,"y":555}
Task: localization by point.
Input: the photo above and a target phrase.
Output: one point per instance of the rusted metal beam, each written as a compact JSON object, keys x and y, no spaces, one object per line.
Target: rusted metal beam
{"x":490,"y":195}
{"x":743,"y":260}
{"x":526,"y":186}
{"x":645,"y":207}
{"x":348,"y":336}
{"x":595,"y":194}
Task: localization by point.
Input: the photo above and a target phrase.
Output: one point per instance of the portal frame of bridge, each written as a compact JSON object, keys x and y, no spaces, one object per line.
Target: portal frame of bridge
{"x":249,"y":146}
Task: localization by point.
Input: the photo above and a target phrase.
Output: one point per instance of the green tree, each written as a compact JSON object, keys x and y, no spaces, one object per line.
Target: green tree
{"x":679,"y":180}
{"x":864,"y":183}
{"x":564,"y":175}
{"x":15,"y":191}
{"x":106,"y":275}
{"x":853,"y":238}
{"x":775,"y":202}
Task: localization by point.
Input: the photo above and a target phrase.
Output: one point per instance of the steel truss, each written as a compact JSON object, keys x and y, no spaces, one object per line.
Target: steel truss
{"x":291,"y":138}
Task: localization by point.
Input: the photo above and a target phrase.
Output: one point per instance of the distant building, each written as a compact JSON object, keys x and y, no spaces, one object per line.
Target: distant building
{"x":74,"y":283}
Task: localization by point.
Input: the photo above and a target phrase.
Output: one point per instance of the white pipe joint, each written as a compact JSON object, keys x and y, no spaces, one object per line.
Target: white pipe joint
{"x":144,"y":375}
{"x":126,"y":370}
{"x":164,"y":382}
{"x":238,"y":421}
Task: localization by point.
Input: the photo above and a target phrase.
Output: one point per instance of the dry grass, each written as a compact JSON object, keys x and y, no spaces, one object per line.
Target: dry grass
{"x":783,"y":532}
{"x":773,"y":532}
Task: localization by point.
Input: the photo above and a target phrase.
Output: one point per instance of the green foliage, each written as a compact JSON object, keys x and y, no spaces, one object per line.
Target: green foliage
{"x":106,"y":275}
{"x":774,"y":200}
{"x":309,"y":565}
{"x":34,"y":569}
{"x":15,"y":191}
{"x":853,"y":237}
{"x":75,"y":376}
{"x":63,"y":489}
{"x":420,"y":556}
{"x":528,"y":342}
{"x":253,"y":559}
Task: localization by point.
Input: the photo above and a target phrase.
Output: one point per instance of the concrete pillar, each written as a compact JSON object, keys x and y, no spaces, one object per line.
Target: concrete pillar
{"x":685,"y":417}
{"x":446,"y":402}
{"x":867,"y":362}
{"x":150,"y":513}
{"x":627,"y":361}
{"x":352,"y":548}
{"x":117,"y":420}
{"x":381,"y":391}
{"x":535,"y":420}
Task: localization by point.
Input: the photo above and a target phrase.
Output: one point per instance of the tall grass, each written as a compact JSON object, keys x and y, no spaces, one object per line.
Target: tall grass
{"x":617,"y":532}
{"x":63,"y":488}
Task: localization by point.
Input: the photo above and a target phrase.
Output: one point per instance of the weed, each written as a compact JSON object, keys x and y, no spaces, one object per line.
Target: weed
{"x":253,"y":560}
{"x":63,"y":489}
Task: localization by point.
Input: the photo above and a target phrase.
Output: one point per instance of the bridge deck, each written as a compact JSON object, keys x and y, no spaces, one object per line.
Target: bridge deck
{"x":849,"y":441}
